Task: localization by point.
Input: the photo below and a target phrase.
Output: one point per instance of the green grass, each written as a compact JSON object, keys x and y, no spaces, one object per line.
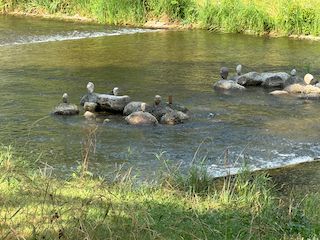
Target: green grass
{"x":38,"y":203}
{"x":282,"y":17}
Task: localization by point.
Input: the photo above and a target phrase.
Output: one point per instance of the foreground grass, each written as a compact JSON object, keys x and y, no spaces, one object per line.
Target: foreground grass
{"x":282,"y":17}
{"x":37,"y":204}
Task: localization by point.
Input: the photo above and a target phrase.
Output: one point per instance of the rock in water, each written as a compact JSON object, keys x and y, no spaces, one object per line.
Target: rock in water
{"x":111,"y":103}
{"x":90,"y":87}
{"x":142,"y":118}
{"x":65,"y":108}
{"x":308,"y":78}
{"x":224,"y":71}
{"x":238,"y":69}
{"x":174,"y":117}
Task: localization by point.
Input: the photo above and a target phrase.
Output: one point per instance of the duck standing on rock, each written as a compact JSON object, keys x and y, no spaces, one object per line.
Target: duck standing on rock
{"x":115,"y":91}
{"x":65,"y":108}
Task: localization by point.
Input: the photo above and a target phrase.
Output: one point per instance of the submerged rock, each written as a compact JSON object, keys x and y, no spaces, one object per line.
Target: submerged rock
{"x":279,"y":92}
{"x":90,"y":106}
{"x":309,"y":96}
{"x":227,"y":85}
{"x":174,"y":117}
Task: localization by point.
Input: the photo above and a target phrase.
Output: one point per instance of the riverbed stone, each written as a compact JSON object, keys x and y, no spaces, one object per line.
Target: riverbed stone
{"x":250,"y":79}
{"x":311,"y":89}
{"x":141,"y":118}
{"x":65,"y":109}
{"x":294,"y":88}
{"x":270,"y":80}
{"x":89,"y":115}
{"x":174,"y":117}
{"x":279,"y":92}
{"x":309,"y":96}
{"x":227,"y":85}
{"x":308,"y":78}
{"x":90,"y":106}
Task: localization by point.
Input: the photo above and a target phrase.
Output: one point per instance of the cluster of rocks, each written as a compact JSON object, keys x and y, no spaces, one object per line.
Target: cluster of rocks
{"x":137,"y":113}
{"x":308,"y":87}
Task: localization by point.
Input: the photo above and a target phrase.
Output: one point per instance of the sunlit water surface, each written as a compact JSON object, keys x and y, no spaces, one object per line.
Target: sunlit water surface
{"x":41,"y":59}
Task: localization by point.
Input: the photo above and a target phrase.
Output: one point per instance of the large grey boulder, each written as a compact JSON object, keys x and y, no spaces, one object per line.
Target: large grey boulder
{"x":174,"y":117}
{"x":250,"y":79}
{"x":106,"y":102}
{"x":227,"y":85}
{"x":270,"y":80}
{"x":112,"y":103}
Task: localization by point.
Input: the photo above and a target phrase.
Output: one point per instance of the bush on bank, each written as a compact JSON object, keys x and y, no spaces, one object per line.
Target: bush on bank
{"x":251,"y":16}
{"x":36,"y":203}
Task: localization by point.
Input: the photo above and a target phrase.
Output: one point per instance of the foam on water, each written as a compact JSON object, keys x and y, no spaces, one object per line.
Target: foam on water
{"x":218,"y":171}
{"x":69,"y":35}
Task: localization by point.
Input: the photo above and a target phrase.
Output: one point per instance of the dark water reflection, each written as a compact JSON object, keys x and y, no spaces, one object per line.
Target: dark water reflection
{"x":42,"y":59}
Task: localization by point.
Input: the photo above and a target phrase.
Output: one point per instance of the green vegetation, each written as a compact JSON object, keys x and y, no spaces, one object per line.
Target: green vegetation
{"x":37,"y":203}
{"x":281,"y":17}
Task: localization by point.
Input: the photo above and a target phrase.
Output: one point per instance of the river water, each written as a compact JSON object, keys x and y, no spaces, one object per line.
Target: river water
{"x":40,"y":59}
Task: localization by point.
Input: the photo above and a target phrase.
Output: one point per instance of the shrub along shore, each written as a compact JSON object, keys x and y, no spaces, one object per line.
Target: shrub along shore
{"x":274,"y":17}
{"x":39,"y":203}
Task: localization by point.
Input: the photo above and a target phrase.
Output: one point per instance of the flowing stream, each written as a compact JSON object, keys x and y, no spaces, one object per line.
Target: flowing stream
{"x":40,"y":59}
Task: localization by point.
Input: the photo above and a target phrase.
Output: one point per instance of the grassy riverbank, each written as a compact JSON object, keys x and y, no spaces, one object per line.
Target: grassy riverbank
{"x":37,"y":203}
{"x":281,"y":17}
